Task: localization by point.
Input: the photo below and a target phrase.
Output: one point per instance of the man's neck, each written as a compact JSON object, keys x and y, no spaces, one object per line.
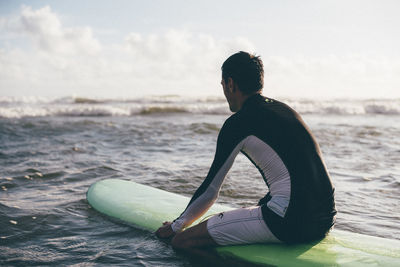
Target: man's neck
{"x":244,"y":97}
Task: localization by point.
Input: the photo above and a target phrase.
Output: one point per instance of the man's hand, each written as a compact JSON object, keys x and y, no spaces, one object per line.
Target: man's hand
{"x":165,"y":231}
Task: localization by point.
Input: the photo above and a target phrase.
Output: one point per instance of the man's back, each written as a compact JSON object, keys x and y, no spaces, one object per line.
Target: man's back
{"x":294,"y":148}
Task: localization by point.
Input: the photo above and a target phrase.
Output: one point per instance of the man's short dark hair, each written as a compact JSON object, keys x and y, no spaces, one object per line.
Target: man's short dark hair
{"x":246,"y":70}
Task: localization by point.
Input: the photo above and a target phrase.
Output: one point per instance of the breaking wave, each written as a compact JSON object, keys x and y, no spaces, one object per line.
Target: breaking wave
{"x":12,"y":107}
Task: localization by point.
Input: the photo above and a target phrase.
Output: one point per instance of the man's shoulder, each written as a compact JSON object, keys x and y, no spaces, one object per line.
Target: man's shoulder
{"x":264,"y":110}
{"x":276,"y":108}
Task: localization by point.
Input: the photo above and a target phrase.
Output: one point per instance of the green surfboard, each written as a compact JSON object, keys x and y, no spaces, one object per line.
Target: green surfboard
{"x":147,"y":207}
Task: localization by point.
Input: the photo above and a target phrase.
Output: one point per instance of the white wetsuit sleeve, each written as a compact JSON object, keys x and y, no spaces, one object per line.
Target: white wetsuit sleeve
{"x":208,"y":191}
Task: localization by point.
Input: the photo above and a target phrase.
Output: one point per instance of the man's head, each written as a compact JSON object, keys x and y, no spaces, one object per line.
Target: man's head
{"x":242,"y":76}
{"x":246,"y":70}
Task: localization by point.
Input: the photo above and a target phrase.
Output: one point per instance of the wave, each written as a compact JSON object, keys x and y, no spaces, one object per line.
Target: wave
{"x":104,"y":110}
{"x":347,"y":107}
{"x":83,"y":100}
{"x":95,"y":107}
{"x":152,"y":110}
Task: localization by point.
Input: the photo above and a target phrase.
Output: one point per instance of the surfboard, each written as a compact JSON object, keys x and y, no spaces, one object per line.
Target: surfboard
{"x":147,"y":207}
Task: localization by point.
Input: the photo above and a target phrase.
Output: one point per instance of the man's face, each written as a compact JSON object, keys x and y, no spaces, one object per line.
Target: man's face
{"x":223,"y":85}
{"x":225,"y":88}
{"x":229,"y":95}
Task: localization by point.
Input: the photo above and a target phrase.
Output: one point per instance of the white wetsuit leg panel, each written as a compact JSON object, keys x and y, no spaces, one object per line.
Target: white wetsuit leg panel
{"x":240,"y":226}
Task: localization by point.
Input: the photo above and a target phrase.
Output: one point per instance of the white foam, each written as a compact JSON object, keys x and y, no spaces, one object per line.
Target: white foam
{"x":90,"y":110}
{"x":12,"y":107}
{"x":347,"y":107}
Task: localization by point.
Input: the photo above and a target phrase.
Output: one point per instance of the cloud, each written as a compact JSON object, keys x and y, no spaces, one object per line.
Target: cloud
{"x":180,"y":56}
{"x":71,"y":60}
{"x":57,"y":60}
{"x":49,"y":35}
{"x":355,"y":76}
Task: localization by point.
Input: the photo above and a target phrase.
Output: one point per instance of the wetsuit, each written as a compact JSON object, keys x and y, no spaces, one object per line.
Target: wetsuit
{"x":299,"y":206}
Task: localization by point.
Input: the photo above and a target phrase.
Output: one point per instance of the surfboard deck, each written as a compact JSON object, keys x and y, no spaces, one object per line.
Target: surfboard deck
{"x":147,"y":207}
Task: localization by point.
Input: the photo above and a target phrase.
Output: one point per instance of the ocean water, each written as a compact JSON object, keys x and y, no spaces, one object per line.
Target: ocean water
{"x":52,"y":150}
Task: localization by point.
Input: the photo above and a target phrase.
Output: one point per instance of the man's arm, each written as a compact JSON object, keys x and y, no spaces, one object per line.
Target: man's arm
{"x":205,"y":196}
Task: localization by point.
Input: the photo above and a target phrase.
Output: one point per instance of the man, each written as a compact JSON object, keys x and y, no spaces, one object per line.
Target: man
{"x":300,"y":204}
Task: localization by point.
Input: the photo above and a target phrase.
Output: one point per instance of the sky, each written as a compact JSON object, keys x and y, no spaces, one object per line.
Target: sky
{"x":128,"y":48}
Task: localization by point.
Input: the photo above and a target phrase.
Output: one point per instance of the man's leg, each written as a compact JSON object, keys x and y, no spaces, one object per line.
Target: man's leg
{"x":193,"y":237}
{"x":240,"y":226}
{"x":197,"y":242}
{"x":234,"y":227}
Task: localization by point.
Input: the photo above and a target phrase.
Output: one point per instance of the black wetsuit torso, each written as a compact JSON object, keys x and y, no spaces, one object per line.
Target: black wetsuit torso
{"x":275,"y":138}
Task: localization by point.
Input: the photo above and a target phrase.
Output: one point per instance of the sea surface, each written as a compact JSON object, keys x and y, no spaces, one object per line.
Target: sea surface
{"x":52,"y":150}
